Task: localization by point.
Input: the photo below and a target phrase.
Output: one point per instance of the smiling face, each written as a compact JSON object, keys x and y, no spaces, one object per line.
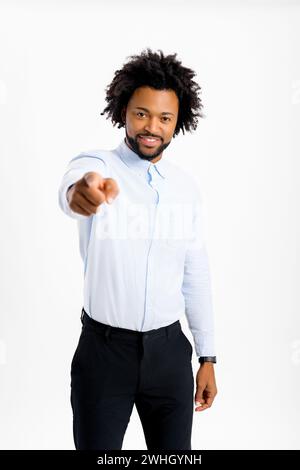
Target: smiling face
{"x":151,"y":113}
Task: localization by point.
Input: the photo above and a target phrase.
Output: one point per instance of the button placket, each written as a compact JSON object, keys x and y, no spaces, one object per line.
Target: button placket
{"x":150,"y":287}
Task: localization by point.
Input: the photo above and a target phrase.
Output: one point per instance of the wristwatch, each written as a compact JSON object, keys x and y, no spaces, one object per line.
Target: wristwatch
{"x":207,"y":359}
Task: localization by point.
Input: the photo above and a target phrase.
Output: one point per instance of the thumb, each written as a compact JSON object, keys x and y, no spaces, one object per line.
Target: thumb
{"x":111,"y":189}
{"x":93,"y":179}
{"x":199,"y":400}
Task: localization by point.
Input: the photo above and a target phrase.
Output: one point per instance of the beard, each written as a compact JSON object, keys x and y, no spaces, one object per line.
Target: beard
{"x":135,"y":147}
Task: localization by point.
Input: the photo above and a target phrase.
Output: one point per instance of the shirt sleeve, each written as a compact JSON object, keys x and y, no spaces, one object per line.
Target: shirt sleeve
{"x":75,"y":170}
{"x":196,"y":286}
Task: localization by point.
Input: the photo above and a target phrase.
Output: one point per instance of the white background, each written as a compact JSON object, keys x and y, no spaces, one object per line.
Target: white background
{"x":56,"y":58}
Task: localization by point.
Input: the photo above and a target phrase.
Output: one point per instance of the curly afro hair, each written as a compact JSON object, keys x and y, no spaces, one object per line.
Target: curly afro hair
{"x":159,"y":72}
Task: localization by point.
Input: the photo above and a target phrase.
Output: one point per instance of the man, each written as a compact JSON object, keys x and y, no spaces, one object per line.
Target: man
{"x":145,"y":263}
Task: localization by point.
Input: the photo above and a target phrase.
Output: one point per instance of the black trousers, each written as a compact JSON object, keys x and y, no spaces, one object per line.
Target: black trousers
{"x":115,"y":368}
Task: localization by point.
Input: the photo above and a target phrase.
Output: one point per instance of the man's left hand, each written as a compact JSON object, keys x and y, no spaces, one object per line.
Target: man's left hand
{"x":206,"y":389}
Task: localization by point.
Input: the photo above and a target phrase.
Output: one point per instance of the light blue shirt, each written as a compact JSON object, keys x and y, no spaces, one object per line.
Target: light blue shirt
{"x":145,"y":258}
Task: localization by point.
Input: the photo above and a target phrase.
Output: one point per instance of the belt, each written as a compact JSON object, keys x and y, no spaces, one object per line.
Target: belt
{"x":108,"y":329}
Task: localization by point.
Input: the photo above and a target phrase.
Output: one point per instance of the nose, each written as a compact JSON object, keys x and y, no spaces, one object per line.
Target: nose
{"x":152,"y":127}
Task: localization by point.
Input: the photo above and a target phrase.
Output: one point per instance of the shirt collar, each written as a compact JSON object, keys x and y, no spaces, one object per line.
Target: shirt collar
{"x":133,"y":161}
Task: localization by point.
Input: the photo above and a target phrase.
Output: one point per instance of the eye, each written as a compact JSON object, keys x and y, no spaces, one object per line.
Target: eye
{"x":165,"y":117}
{"x":140,"y":112}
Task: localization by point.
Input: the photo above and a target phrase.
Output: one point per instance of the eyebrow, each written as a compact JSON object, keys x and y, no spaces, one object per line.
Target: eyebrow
{"x":147,"y":110}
